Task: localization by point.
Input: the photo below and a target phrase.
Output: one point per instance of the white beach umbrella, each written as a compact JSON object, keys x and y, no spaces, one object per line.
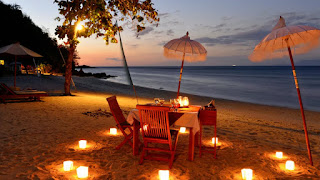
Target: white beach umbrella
{"x":186,"y":49}
{"x":279,"y":43}
{"x":17,"y":49}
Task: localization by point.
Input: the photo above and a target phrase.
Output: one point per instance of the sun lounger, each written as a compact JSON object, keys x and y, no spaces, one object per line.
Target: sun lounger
{"x":7,"y":93}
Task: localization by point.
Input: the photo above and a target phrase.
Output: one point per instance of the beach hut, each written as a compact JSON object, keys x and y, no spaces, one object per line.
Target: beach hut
{"x":17,"y":49}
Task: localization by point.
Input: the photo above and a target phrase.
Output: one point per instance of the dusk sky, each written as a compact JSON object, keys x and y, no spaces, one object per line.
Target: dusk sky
{"x":229,"y":30}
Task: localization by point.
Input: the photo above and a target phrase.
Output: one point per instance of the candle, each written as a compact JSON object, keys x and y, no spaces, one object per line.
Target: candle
{"x":83,"y":172}
{"x":164,"y":174}
{"x":82,"y":144}
{"x":145,"y":127}
{"x":214,"y":140}
{"x":113,"y":131}
{"x":279,"y":155}
{"x":185,"y":101}
{"x":246,"y":174}
{"x":182,"y":129}
{"x":67,"y":165}
{"x":290,"y":165}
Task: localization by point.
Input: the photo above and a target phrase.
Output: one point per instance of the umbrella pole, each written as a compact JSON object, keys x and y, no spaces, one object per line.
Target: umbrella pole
{"x":181,"y":69}
{"x":301,"y":105}
{"x":15,"y":71}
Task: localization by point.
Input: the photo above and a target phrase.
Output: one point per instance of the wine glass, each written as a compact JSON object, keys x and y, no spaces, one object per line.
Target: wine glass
{"x":161,"y":100}
{"x":156,"y":100}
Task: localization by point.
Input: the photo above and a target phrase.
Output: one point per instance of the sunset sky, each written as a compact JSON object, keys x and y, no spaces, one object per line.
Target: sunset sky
{"x":229,"y":30}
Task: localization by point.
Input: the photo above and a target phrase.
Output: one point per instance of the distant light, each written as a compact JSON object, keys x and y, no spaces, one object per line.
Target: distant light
{"x":164,"y":174}
{"x":79,"y":27}
{"x":2,"y":62}
{"x":214,"y":140}
{"x":82,"y":144}
{"x":67,"y":165}
{"x":83,"y":172}
{"x":246,"y":174}
{"x":279,"y":155}
{"x":290,"y":165}
{"x":113,"y":131}
{"x":182,"y":129}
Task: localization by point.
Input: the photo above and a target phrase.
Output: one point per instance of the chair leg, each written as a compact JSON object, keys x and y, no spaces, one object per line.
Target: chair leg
{"x":200,"y":143}
{"x":126,"y":139}
{"x":215,"y":144}
{"x":143,"y":152}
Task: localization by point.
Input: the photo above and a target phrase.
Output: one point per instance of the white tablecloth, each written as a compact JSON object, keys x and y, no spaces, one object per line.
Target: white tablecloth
{"x":188,"y":119}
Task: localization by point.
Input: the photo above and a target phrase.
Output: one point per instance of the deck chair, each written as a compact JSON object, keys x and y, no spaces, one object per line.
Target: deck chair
{"x":154,"y":122}
{"x":7,"y":93}
{"x":122,"y":124}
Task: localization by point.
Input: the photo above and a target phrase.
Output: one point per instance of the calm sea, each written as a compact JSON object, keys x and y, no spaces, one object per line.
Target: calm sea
{"x":269,"y":85}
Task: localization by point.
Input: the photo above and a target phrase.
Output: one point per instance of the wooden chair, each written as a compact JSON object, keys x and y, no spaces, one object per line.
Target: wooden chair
{"x":208,"y":118}
{"x":7,"y":93}
{"x":122,"y":124}
{"x":154,"y":122}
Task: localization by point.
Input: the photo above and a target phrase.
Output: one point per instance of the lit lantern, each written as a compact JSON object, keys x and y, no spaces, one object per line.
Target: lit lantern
{"x":83,"y":172}
{"x":180,"y":101}
{"x":164,"y":174}
{"x":246,"y":174}
{"x":67,"y":165}
{"x":113,"y":131}
{"x":290,"y":165}
{"x":82,"y":144}
{"x":2,"y":62}
{"x":185,"y":101}
{"x":182,"y":129}
{"x":214,"y":140}
{"x":279,"y":155}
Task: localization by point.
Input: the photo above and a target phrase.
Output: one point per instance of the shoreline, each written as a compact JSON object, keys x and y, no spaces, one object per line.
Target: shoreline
{"x":38,"y":136}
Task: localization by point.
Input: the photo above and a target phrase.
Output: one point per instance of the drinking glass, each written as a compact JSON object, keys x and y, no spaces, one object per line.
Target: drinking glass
{"x":161,"y":100}
{"x":172,"y":102}
{"x":156,"y":100}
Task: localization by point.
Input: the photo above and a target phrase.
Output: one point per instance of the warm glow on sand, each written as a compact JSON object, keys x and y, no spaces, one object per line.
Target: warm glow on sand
{"x":182,"y":129}
{"x":67,"y":165}
{"x":82,"y":144}
{"x":164,"y":174}
{"x":113,"y":131}
{"x":290,"y":165}
{"x":247,"y":174}
{"x":83,"y":172}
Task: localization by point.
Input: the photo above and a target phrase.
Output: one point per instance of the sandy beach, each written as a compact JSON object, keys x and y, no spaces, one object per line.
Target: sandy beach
{"x":36,"y":137}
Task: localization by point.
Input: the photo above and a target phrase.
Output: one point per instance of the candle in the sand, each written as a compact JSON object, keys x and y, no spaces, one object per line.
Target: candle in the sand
{"x":290,"y":165}
{"x":279,"y":155}
{"x":246,"y":174}
{"x":164,"y":174}
{"x":67,"y":165}
{"x":182,"y":129}
{"x":82,"y":144}
{"x":113,"y":131}
{"x":214,"y":140}
{"x":83,"y":172}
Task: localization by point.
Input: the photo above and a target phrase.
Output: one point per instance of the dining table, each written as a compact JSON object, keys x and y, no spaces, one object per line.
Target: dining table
{"x":178,"y":117}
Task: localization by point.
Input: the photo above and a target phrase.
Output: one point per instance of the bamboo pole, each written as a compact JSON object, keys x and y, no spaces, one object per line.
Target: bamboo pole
{"x":15,"y":71}
{"x":181,"y":69}
{"x":301,"y":105}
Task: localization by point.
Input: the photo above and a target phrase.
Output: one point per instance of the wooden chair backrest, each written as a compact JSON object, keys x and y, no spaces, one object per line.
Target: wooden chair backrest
{"x":115,"y":110}
{"x":154,"y":121}
{"x":7,"y":89}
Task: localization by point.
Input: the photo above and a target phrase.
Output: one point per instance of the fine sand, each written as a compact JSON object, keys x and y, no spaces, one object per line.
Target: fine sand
{"x":36,"y":137}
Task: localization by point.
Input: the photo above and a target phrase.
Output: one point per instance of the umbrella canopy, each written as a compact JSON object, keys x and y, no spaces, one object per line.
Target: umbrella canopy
{"x":301,"y":38}
{"x":186,"y":49}
{"x":279,"y":43}
{"x":17,"y":50}
{"x":192,"y":50}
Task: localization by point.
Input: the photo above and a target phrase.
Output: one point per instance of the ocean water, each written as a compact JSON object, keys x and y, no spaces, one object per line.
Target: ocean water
{"x":269,"y":85}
